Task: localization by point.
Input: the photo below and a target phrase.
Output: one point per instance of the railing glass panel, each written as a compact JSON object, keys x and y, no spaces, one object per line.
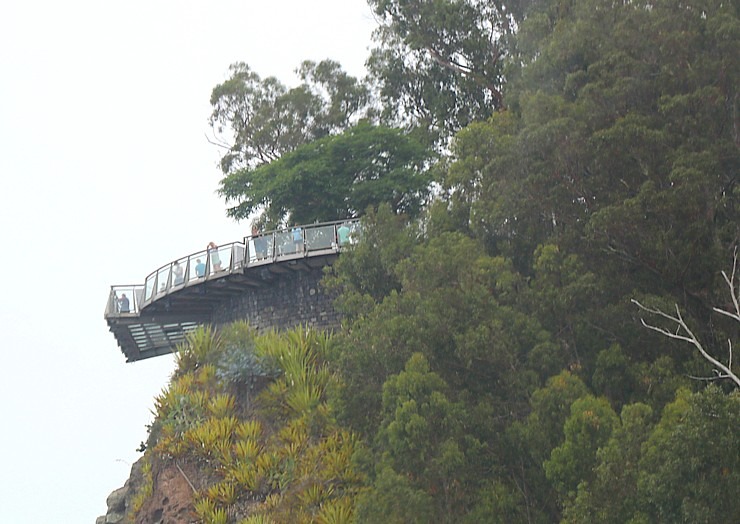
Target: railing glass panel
{"x":237,"y":257}
{"x":224,"y":256}
{"x":138,"y":296}
{"x":149,"y":286}
{"x":163,"y":279}
{"x":197,"y":266}
{"x":265,"y":246}
{"x":124,"y":300}
{"x":321,"y":237}
{"x":180,"y":269}
{"x":216,"y":262}
{"x":284,"y":243}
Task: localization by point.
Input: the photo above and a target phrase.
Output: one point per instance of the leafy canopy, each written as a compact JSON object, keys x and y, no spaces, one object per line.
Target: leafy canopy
{"x":257,"y":120}
{"x":334,"y":177}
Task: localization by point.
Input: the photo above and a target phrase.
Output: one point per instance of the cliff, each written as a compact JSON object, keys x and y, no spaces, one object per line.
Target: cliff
{"x":243,"y":431}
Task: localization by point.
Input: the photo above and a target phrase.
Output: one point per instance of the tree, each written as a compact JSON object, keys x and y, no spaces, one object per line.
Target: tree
{"x":684,"y":333}
{"x":589,"y":427}
{"x":422,"y":437}
{"x":532,"y":441}
{"x":258,"y":120}
{"x":334,"y":177}
{"x":611,"y":497}
{"x":614,"y":147}
{"x":689,"y":470}
{"x":614,"y":150}
{"x":439,"y":65}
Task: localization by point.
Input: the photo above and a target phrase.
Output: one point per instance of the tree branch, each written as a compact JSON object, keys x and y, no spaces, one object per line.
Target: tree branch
{"x":687,"y":337}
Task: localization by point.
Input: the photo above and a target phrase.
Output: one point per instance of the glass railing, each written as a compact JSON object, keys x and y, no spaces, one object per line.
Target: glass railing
{"x":215,"y":261}
{"x":300,"y":240}
{"x":124,"y":300}
{"x":203,"y":265}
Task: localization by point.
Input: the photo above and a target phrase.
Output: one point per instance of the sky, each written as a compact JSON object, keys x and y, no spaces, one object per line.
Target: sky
{"x":106,"y":174}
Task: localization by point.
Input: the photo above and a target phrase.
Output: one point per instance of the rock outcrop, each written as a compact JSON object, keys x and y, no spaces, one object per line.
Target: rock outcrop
{"x":119,"y":501}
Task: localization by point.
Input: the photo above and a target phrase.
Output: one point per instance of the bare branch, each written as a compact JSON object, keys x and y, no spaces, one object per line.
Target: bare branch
{"x":688,"y":336}
{"x":734,"y":291}
{"x":221,"y":144}
{"x":186,"y":478}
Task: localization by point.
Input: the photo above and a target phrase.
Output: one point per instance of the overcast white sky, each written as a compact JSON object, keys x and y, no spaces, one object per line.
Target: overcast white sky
{"x":105,"y":174}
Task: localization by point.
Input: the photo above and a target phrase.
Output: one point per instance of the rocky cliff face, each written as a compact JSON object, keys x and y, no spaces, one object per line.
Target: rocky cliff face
{"x":244,"y":429}
{"x":171,"y":501}
{"x":120,"y":500}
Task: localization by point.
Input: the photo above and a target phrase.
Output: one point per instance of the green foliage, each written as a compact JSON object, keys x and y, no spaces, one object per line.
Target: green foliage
{"x":551,"y":406}
{"x":612,"y":376}
{"x":335,"y":177}
{"x":488,"y":342}
{"x":681,"y":470}
{"x":529,"y":443}
{"x":587,"y":429}
{"x":202,"y":346}
{"x":439,"y":64}
{"x":612,"y":495}
{"x":422,"y":438}
{"x":336,"y":511}
{"x":366,"y":274}
{"x":238,"y":362}
{"x":690,"y":468}
{"x":498,"y":503}
{"x":209,"y":513}
{"x":291,"y":463}
{"x":394,"y":500}
{"x":259,"y":120}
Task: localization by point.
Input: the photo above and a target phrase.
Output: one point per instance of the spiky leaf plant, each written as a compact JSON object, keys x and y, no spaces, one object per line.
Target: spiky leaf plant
{"x":224,"y":493}
{"x":221,"y":405}
{"x":249,"y":429}
{"x":201,"y":346}
{"x":337,"y":511}
{"x":258,"y":518}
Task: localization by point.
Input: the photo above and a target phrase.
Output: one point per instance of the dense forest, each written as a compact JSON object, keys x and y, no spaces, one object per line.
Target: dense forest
{"x":541,"y":311}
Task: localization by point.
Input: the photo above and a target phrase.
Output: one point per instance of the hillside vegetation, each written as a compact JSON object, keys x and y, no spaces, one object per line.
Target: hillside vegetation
{"x":550,"y":197}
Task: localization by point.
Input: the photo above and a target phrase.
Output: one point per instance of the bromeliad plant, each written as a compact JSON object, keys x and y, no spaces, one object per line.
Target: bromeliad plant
{"x":291,"y":462}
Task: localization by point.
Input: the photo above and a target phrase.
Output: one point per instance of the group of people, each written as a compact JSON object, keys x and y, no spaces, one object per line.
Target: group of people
{"x":178,"y":273}
{"x":262,"y":248}
{"x":292,"y":241}
{"x":260,"y":243}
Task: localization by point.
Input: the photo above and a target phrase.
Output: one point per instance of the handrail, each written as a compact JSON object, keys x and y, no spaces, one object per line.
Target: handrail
{"x":212,"y":263}
{"x":124,"y":299}
{"x":300,"y":239}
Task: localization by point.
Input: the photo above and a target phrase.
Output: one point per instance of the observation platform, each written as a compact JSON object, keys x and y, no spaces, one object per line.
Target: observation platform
{"x":151,"y":319}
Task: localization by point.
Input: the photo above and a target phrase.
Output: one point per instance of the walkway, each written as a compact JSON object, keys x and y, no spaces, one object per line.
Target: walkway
{"x":152,"y":319}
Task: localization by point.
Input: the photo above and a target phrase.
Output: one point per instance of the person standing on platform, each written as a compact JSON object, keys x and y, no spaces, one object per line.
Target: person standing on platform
{"x":298,"y":238}
{"x":343,"y":234}
{"x":178,"y":273}
{"x":123,"y":304}
{"x":212,"y":249}
{"x":200,"y":268}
